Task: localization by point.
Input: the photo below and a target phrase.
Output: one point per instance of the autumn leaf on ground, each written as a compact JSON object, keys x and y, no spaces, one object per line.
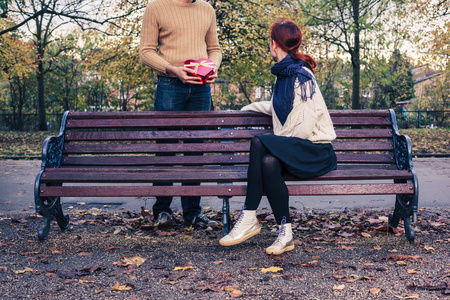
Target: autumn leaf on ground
{"x":365,"y":234}
{"x":234,"y":292}
{"x":401,"y":263}
{"x":119,"y":287}
{"x":219,"y":262}
{"x":187,"y":266}
{"x":348,"y":247}
{"x":411,"y":271}
{"x":408,"y":296}
{"x":271,"y":269}
{"x":339,"y":287}
{"x":133,"y":261}
{"x":24,"y":271}
{"x":374,"y":291}
{"x":428,"y":248}
{"x":56,"y":251}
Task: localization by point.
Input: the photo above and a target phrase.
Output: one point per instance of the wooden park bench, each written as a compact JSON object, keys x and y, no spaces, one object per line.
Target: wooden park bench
{"x":122,"y":154}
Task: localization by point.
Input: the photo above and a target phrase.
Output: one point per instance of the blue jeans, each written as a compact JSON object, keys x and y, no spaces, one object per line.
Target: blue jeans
{"x":173,"y":95}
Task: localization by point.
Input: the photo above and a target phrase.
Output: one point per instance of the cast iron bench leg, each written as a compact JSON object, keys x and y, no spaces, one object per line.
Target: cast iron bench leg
{"x":403,"y":210}
{"x":226,"y":219}
{"x":49,"y":208}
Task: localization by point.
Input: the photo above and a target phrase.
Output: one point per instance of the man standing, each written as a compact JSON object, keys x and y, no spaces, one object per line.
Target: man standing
{"x":174,"y":31}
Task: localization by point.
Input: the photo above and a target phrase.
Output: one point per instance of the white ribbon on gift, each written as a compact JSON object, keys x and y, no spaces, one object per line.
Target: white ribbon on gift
{"x":203,"y":63}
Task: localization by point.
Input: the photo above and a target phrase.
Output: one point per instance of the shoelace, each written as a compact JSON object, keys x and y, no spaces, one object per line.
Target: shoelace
{"x":239,"y":218}
{"x":282,"y":230}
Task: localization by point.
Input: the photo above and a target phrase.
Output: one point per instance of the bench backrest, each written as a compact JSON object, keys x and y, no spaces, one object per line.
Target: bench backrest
{"x":143,"y":138}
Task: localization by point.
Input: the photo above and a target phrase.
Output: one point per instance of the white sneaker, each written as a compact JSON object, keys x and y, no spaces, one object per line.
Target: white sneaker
{"x":284,"y":242}
{"x":246,"y":226}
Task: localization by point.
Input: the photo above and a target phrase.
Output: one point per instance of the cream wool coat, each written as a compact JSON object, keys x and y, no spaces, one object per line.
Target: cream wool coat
{"x":308,"y":120}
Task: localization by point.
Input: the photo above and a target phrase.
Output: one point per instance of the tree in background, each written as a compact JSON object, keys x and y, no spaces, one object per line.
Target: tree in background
{"x":244,"y":36}
{"x":426,"y":24}
{"x":42,"y":19}
{"x":346,"y":24}
{"x":16,"y":70}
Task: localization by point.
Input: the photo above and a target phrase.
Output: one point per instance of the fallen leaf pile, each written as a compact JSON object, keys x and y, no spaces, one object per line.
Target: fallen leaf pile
{"x":121,"y":254}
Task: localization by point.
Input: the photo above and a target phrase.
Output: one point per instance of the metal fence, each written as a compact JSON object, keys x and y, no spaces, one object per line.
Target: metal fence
{"x":28,"y":122}
{"x":423,"y":119}
{"x":405,"y":119}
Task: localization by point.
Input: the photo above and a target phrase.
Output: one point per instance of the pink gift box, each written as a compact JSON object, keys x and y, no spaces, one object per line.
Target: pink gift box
{"x":202,"y":67}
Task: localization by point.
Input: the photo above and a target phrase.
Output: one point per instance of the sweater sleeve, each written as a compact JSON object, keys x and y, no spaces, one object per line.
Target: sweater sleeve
{"x":149,"y":42}
{"x":212,"y":43}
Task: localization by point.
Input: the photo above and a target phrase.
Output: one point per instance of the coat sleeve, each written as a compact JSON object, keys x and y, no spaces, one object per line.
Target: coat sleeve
{"x":264,"y":107}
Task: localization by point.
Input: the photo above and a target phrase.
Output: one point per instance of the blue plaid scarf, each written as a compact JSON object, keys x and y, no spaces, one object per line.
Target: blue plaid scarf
{"x":287,"y":71}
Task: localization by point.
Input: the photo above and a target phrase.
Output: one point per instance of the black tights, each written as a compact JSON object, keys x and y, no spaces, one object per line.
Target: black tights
{"x":264,"y":175}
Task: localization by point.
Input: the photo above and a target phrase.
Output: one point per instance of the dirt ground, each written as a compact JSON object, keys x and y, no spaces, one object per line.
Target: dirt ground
{"x":120,"y":255}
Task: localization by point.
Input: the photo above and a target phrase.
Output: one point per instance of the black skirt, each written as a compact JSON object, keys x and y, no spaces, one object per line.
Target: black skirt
{"x":302,"y":158}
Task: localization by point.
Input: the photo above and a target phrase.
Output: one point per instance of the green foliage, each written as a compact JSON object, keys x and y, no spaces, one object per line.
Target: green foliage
{"x":333,"y":78}
{"x":387,"y":82}
{"x":244,"y":36}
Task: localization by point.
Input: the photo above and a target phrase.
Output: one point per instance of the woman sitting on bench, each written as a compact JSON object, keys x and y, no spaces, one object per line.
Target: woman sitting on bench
{"x":301,"y":143}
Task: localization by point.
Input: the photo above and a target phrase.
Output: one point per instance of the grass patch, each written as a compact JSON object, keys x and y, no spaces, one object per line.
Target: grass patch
{"x":429,"y":140}
{"x":19,"y":143}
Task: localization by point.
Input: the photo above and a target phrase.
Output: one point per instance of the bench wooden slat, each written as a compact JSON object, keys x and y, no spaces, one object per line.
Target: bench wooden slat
{"x":208,"y":122}
{"x":162,"y":135}
{"x":207,"y":147}
{"x":207,"y":134}
{"x":200,"y":175}
{"x":362,"y":145}
{"x":360,"y":158}
{"x":165,"y":122}
{"x":77,"y":115}
{"x":210,"y":114}
{"x":221,"y":190}
{"x":153,"y":148}
{"x":152,"y":160}
{"x":364,"y":133}
{"x":361,"y":121}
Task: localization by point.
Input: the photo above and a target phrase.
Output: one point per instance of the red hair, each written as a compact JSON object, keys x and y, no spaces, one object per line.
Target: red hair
{"x":288,"y":36}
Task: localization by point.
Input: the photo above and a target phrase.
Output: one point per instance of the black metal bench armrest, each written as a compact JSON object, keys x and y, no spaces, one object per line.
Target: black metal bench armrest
{"x":402,"y":147}
{"x":53,"y":147}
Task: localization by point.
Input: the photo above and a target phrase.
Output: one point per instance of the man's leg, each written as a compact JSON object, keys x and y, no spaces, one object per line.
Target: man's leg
{"x":199,"y":99}
{"x":170,"y":95}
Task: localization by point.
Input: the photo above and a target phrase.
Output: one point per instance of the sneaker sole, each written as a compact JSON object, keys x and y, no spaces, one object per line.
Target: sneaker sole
{"x":238,"y":241}
{"x":280,"y":251}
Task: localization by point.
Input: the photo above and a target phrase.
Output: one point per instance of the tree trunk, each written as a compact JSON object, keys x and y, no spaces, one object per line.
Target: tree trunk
{"x":41,"y":101}
{"x":356,"y":64}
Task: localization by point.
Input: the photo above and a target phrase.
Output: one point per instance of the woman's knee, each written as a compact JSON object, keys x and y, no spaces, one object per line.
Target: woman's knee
{"x":270,"y":164}
{"x":256,"y":142}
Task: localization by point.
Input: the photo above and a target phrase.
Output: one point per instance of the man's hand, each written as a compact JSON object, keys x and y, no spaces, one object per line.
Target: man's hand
{"x":186,"y":75}
{"x":213,"y":76}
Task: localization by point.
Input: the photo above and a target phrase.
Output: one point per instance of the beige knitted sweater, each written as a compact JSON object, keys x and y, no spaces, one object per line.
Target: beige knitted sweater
{"x":308,"y":119}
{"x":173,"y":32}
